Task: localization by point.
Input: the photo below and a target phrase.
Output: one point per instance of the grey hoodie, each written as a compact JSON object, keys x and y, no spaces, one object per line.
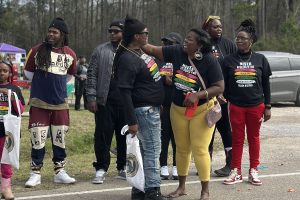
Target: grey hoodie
{"x":99,"y":73}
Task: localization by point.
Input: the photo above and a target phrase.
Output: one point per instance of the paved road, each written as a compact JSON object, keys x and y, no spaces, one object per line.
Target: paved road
{"x":279,"y":170}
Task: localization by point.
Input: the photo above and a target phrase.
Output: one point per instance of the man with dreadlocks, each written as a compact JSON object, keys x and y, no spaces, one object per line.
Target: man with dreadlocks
{"x":50,"y":66}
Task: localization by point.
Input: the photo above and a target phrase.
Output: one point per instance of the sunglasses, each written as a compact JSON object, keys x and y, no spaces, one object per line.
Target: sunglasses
{"x":115,"y":31}
{"x":144,"y":32}
{"x":212,"y":17}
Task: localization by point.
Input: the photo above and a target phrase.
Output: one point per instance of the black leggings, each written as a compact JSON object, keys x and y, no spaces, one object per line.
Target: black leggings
{"x":166,"y":136}
{"x":223,"y":126}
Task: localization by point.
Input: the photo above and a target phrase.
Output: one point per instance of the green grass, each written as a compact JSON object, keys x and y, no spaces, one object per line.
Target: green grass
{"x":79,"y":149}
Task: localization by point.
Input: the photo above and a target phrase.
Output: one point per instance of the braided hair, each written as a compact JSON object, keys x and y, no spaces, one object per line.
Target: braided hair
{"x":248,"y":26}
{"x":119,"y":52}
{"x":127,"y":39}
{"x":43,"y":56}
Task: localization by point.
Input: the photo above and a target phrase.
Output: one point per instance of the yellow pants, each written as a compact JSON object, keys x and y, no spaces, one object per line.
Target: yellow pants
{"x":192,"y":136}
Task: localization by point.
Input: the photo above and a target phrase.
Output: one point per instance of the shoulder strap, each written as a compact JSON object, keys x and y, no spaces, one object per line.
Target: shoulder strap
{"x":198,"y":74}
{"x":9,"y":102}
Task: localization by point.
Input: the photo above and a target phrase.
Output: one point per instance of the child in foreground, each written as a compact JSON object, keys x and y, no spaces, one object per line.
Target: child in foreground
{"x":5,"y":85}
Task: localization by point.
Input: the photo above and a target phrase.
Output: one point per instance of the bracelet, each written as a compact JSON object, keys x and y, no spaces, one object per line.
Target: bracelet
{"x":268,"y":107}
{"x":206,"y":94}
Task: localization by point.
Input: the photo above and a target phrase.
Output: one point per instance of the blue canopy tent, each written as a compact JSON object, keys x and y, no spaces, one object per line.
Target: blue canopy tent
{"x":7,"y":48}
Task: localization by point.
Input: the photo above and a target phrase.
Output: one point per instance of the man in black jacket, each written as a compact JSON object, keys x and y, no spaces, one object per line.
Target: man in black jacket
{"x":104,"y":100}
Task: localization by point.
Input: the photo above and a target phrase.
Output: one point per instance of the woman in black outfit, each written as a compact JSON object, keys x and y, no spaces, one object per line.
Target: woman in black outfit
{"x":221,"y":47}
{"x":142,"y":92}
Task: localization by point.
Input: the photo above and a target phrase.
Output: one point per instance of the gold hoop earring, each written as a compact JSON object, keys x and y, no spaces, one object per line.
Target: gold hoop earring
{"x":198,"y":55}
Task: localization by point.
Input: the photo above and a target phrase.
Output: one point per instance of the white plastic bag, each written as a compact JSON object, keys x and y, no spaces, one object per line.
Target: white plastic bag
{"x":12,"y":125}
{"x":134,"y":162}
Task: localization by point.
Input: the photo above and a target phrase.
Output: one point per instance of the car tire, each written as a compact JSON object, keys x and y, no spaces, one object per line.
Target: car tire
{"x":298,"y":98}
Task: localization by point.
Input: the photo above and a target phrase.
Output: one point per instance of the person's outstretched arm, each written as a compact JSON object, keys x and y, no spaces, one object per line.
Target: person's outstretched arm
{"x":155,"y":51}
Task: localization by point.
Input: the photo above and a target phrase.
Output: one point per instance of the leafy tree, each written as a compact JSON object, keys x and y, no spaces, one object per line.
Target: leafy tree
{"x":24,"y":22}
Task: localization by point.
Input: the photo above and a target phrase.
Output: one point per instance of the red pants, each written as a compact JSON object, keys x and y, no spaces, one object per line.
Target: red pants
{"x":251,"y":119}
{"x":6,"y":170}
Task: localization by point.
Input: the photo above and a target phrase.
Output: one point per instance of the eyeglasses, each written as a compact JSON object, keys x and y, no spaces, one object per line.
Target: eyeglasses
{"x":115,"y":31}
{"x":144,"y":32}
{"x":241,"y":38}
{"x":211,"y":17}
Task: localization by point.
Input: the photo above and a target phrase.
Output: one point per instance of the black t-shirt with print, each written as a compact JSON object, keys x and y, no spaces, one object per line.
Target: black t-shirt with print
{"x":185,"y":78}
{"x":4,"y":104}
{"x":140,"y":80}
{"x":246,"y":78}
{"x":166,"y":69}
{"x":221,"y":47}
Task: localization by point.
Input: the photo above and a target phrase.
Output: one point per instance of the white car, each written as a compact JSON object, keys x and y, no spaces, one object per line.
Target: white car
{"x":285,"y":79}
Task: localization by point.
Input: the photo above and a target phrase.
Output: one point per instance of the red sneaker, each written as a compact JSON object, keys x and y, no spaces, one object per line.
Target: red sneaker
{"x":234,"y":177}
{"x":253,"y":177}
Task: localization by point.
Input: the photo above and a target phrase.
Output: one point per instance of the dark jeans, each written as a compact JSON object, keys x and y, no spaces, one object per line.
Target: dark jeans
{"x":223,"y":126}
{"x":166,"y":136}
{"x":77,"y":102}
{"x":109,"y":119}
{"x":79,"y":92}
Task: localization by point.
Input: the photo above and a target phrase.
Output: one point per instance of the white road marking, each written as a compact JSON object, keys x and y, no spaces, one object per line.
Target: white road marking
{"x":129,"y":188}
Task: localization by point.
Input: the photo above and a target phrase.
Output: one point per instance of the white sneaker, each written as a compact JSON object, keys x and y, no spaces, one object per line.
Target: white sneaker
{"x":100,"y":177}
{"x":63,"y":177}
{"x":121,"y":174}
{"x":34,"y":180}
{"x":234,"y":177}
{"x":164,"y":172}
{"x":253,"y":177}
{"x":174,"y":173}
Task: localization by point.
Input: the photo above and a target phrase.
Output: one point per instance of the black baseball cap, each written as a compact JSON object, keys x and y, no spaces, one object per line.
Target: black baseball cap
{"x":173,"y":37}
{"x":118,"y":23}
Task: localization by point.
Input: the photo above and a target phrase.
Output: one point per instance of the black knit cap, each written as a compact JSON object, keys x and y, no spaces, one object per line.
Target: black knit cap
{"x":60,"y":24}
{"x":118,"y":23}
{"x":133,"y":26}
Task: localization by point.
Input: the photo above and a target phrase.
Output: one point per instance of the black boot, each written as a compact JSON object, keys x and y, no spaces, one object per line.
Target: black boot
{"x":228,"y":157}
{"x":137,"y":194}
{"x":154,"y":194}
{"x":210,"y":154}
{"x":225,"y":171}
